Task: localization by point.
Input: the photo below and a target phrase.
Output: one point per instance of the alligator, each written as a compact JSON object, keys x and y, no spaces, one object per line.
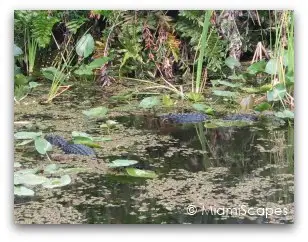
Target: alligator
{"x":184,"y":117}
{"x":199,"y":117}
{"x":68,"y":148}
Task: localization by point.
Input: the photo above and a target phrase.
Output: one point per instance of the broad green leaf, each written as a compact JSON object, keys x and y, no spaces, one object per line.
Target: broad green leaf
{"x":277,"y":93}
{"x":52,"y":73}
{"x":229,"y":84}
{"x":83,"y":70}
{"x":286,"y":114}
{"x":237,"y":77}
{"x":257,"y":67}
{"x":52,"y":168}
{"x":140,"y":173}
{"x":231,"y":62}
{"x":85,"y":46}
{"x":29,"y":179}
{"x":57,"y":182}
{"x":99,"y":112}
{"x":21,"y":79}
{"x":34,"y":84}
{"x":216,"y":123}
{"x":77,"y":134}
{"x":262,"y":107}
{"x":27,"y":135}
{"x":203,"y":108}
{"x":149,"y":102}
{"x":86,"y":141}
{"x":122,"y":163}
{"x":17,"y":51}
{"x":224,"y":93}
{"x":272,"y":67}
{"x":42,"y":145}
{"x":23,"y":191}
{"x":25,"y":171}
{"x":97,"y":63}
{"x":167,"y":101}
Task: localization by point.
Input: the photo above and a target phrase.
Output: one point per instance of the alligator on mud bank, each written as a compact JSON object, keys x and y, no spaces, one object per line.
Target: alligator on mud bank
{"x":77,"y":149}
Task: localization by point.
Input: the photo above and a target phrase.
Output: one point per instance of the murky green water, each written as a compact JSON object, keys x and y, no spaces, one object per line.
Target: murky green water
{"x":205,"y":175}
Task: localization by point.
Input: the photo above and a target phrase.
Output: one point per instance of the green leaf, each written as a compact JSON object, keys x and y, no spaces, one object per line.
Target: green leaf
{"x":25,"y":142}
{"x":203,"y":108}
{"x":86,"y":141}
{"x":149,"y":102}
{"x":77,"y":134}
{"x":102,"y":139}
{"x":167,"y":101}
{"x":229,"y":84}
{"x":29,"y":179}
{"x":17,"y":51}
{"x":122,"y":163}
{"x":257,"y":67}
{"x":195,"y":97}
{"x":263,"y":106}
{"x":140,"y":173}
{"x":25,"y":171}
{"x":34,"y":84}
{"x":52,"y":168}
{"x":83,"y":70}
{"x":97,"y":63}
{"x":272,"y":67}
{"x":27,"y":135}
{"x":286,"y":114}
{"x":21,"y":79}
{"x":52,"y":73}
{"x":224,"y":93}
{"x":42,"y":145}
{"x":216,"y":123}
{"x":23,"y":191}
{"x":277,"y":93}
{"x":98,"y":112}
{"x":57,"y":182}
{"x":232,"y":62}
{"x":85,"y":46}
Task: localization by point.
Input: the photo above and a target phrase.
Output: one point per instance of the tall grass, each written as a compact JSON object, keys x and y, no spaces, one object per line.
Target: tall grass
{"x":30,"y":52}
{"x":206,"y":24}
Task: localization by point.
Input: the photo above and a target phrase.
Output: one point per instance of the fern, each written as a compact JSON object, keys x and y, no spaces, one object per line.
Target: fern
{"x":42,"y":28}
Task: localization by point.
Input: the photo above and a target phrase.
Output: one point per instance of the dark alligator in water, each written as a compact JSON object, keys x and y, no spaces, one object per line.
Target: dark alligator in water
{"x":184,"y":117}
{"x":77,"y":149}
{"x":199,"y":117}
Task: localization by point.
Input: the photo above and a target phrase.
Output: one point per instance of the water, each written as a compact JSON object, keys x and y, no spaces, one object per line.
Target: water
{"x":204,"y":175}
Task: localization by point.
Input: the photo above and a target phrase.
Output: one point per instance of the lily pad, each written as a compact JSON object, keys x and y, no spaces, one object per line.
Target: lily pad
{"x":263,"y":106}
{"x":23,"y":191}
{"x":98,"y":112}
{"x":29,"y":179}
{"x":272,"y":67}
{"x":149,"y":102}
{"x":34,"y":84}
{"x":52,"y":168}
{"x":27,"y":135}
{"x":286,"y":114}
{"x":216,"y":123}
{"x":122,"y":163}
{"x":42,"y":145}
{"x":57,"y":182}
{"x":140,"y":173}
